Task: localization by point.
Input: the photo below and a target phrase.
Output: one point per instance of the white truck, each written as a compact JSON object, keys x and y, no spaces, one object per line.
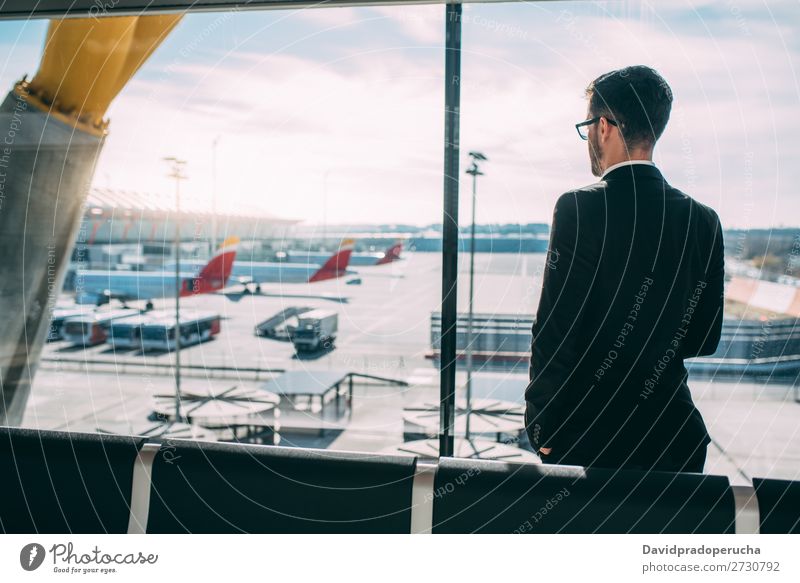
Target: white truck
{"x":315,"y":330}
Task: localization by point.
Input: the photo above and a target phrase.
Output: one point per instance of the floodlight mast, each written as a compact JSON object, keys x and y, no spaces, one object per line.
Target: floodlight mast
{"x":176,"y":172}
{"x":473,"y":171}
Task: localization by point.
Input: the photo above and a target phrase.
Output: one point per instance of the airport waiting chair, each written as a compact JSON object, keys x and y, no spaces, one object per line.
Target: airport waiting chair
{"x":88,"y":483}
{"x":502,"y":497}
{"x":54,"y":482}
{"x":229,"y":488}
{"x":778,"y":506}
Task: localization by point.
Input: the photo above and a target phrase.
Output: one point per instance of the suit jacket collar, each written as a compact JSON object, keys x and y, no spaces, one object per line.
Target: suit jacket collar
{"x":634,"y":171}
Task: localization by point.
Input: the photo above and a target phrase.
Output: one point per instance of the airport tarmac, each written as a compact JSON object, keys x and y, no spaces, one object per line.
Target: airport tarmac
{"x":384,"y":330}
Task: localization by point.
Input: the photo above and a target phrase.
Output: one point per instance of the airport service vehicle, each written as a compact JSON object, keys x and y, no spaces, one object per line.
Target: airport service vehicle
{"x":60,"y":315}
{"x":315,"y":329}
{"x":92,"y":328}
{"x":127,"y":332}
{"x":195,"y":327}
{"x":391,"y":254}
{"x":277,"y":327}
{"x":258,"y":272}
{"x":98,"y":287}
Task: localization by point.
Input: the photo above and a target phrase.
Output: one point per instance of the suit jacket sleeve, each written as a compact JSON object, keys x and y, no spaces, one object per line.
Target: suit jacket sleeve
{"x":706,"y":325}
{"x":556,"y":347}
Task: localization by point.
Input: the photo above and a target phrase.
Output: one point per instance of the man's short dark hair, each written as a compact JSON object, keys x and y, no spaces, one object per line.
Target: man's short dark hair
{"x":637,"y":98}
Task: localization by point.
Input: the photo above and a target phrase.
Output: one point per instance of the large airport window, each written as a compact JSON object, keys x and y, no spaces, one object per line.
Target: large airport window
{"x":728,"y":144}
{"x":258,"y":255}
{"x":294,"y":160}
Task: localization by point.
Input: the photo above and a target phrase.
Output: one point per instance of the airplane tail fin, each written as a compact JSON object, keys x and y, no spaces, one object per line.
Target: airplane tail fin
{"x":216,"y":272}
{"x":391,"y":254}
{"x":336,"y":266}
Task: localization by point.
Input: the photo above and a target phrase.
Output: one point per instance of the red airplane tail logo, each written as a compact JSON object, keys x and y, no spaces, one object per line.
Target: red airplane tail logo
{"x":336,"y":266}
{"x":216,"y":272}
{"x":391,"y":254}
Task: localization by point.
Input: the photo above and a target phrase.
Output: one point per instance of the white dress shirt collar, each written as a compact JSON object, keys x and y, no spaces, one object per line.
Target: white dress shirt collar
{"x":626,"y":163}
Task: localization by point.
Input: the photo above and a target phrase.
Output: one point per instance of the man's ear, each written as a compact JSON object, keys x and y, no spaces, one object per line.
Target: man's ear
{"x":604,"y":128}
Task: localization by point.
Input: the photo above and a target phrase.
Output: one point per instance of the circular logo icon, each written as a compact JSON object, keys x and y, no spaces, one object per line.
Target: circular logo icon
{"x":31,"y":556}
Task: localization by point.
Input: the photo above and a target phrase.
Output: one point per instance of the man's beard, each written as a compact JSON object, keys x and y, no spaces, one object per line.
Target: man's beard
{"x":594,"y":157}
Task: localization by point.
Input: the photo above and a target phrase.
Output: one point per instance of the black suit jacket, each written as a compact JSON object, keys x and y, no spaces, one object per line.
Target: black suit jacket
{"x":633,"y":284}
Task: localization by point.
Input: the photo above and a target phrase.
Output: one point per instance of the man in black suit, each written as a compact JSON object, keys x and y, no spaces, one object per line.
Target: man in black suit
{"x":633,"y":284}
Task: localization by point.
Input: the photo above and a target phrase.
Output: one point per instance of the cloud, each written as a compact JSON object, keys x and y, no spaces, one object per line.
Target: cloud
{"x":370,"y":118}
{"x":421,"y":24}
{"x":330,"y":17}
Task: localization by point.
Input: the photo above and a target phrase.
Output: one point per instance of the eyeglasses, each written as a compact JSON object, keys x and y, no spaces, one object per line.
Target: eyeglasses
{"x":583,"y":127}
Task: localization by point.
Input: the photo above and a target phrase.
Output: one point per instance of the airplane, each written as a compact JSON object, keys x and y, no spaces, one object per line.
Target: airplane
{"x":390,"y":255}
{"x":258,"y":272}
{"x":100,"y":286}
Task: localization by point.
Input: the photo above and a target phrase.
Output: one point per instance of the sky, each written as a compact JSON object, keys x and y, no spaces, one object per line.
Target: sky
{"x":337,"y":114}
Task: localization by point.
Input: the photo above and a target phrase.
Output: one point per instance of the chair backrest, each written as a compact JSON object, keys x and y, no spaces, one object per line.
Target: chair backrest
{"x":779,"y":505}
{"x":497,"y":497}
{"x":225,"y":488}
{"x":56,"y":482}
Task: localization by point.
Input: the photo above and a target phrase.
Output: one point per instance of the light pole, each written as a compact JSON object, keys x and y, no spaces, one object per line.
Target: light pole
{"x":176,"y":172}
{"x":325,"y":208}
{"x":214,"y":194}
{"x":473,"y":171}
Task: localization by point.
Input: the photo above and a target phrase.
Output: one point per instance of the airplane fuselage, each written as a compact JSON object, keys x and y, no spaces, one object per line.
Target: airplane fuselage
{"x":137,"y":285}
{"x":268,"y":272}
{"x":356,"y":259}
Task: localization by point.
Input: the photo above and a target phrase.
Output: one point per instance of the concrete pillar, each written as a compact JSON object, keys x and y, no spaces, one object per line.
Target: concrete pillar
{"x":46,"y":166}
